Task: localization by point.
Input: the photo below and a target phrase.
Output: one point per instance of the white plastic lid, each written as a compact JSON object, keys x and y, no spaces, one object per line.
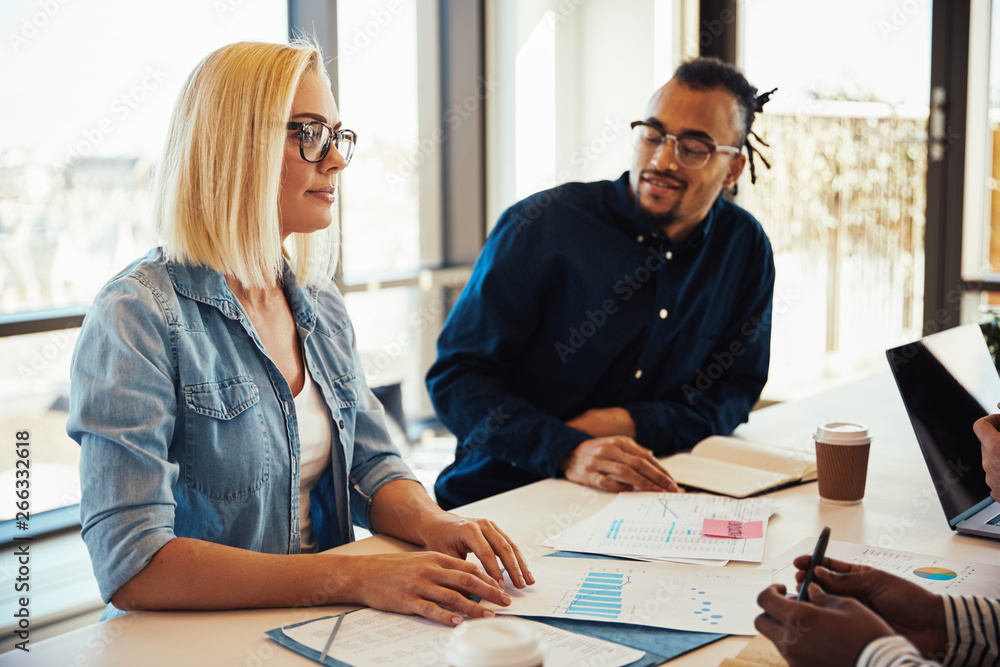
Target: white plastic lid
{"x":843,"y":433}
{"x":494,"y":642}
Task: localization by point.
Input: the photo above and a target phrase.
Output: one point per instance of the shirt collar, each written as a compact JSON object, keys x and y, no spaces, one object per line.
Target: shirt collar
{"x":204,"y":284}
{"x":624,"y":207}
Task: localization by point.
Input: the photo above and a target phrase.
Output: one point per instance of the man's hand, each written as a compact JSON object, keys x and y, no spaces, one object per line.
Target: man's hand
{"x":602,"y":422}
{"x":988,"y":431}
{"x":828,"y":631}
{"x":911,"y":611}
{"x":616,"y":463}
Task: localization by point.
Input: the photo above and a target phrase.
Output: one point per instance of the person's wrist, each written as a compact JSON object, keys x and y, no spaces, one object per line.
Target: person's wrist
{"x":429,"y":523}
{"x":338,"y":578}
{"x":625,"y":421}
{"x":937,"y":629}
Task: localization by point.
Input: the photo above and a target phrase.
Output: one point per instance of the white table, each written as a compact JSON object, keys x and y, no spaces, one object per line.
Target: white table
{"x":900,"y":511}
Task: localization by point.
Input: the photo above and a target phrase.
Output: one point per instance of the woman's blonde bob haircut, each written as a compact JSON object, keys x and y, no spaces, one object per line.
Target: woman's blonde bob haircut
{"x":216,"y":196}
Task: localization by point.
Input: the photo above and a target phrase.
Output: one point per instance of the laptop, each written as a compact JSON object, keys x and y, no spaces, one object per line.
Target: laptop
{"x":947,"y":381}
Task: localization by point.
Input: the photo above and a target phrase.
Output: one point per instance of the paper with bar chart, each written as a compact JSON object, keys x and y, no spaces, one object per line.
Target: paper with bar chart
{"x":662,"y":595}
{"x":667,"y":525}
{"x":946,"y":576}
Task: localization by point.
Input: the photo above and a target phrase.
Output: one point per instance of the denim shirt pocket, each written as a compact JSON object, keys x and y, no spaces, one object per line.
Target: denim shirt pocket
{"x":345,"y":398}
{"x":226,"y":444}
{"x":345,"y":390}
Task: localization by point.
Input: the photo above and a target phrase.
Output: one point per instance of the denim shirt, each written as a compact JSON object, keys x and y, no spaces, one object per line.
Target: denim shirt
{"x":187,"y":428}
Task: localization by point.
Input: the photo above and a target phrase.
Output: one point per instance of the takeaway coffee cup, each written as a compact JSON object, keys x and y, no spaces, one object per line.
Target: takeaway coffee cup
{"x":842,"y":461}
{"x":494,"y":642}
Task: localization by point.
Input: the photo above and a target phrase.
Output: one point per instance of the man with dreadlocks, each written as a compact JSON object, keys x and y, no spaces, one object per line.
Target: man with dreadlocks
{"x":612,"y":322}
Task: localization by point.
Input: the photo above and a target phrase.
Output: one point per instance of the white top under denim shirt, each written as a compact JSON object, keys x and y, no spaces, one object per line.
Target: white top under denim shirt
{"x":187,"y":428}
{"x":314,"y":452}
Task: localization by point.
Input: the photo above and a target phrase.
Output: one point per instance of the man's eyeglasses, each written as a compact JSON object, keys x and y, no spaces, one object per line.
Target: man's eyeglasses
{"x":316,"y":137}
{"x":691,"y":152}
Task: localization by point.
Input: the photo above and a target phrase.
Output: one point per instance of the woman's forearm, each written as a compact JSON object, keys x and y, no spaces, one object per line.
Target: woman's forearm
{"x":193,"y":574}
{"x":401,"y":508}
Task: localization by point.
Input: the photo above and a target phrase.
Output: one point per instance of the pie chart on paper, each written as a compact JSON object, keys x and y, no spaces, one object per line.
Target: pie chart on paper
{"x":935,"y":573}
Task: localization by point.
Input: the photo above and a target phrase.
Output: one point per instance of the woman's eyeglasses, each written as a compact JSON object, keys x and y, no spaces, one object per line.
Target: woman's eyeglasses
{"x":316,"y":137}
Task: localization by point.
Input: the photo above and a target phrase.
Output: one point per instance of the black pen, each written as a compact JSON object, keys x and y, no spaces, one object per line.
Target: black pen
{"x":817,"y":559}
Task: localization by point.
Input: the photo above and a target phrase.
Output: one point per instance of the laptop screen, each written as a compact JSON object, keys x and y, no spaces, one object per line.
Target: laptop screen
{"x":947,"y":381}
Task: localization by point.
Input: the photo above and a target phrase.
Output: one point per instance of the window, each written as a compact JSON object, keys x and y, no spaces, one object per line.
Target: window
{"x":87,"y":97}
{"x":981,"y":234}
{"x":844,"y":204}
{"x":389,"y":221}
{"x":569,"y":78}
{"x":377,"y":82}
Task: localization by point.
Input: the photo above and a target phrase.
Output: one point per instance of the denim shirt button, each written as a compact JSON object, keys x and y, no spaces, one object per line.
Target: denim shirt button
{"x":341,"y":424}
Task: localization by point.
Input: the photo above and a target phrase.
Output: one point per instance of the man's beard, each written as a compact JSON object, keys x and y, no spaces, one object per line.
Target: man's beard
{"x":657,"y":222}
{"x":654,"y":222}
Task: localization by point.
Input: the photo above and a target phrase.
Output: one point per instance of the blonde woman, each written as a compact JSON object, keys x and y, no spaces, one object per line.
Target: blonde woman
{"x":227,"y":434}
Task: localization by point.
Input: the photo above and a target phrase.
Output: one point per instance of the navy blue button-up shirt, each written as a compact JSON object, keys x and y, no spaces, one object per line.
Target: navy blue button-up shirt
{"x":572,"y":305}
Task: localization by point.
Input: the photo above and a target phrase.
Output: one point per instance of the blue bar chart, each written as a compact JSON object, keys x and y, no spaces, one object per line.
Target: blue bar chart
{"x":659,"y":595}
{"x":599,"y":595}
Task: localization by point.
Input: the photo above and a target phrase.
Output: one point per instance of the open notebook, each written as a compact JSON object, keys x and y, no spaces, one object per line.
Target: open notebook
{"x":740,"y":468}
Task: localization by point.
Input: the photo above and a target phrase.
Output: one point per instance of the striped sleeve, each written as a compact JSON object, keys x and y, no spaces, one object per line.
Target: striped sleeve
{"x":973,"y":625}
{"x":973,"y":631}
{"x":892,"y":651}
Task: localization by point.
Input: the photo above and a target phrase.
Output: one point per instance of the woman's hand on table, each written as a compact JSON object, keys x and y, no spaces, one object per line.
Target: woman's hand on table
{"x":428,"y":584}
{"x":458,"y":537}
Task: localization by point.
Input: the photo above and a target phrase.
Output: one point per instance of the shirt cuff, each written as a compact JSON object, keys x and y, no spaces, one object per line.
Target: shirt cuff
{"x":889,"y":650}
{"x":972,"y":636}
{"x":123,"y":544}
{"x":364,"y":489}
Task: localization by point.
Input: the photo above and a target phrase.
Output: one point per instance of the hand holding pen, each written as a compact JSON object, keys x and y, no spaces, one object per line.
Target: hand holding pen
{"x":851,"y":605}
{"x":818,"y":554}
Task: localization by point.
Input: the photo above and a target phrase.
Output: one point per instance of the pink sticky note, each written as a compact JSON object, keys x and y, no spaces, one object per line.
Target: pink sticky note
{"x":734,"y":529}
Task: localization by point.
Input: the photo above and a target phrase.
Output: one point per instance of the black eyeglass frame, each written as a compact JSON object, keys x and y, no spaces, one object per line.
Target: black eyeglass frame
{"x":712,"y":148}
{"x":334,"y":138}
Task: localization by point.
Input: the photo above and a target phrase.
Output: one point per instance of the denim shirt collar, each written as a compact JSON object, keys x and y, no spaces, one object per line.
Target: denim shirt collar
{"x":204,"y":284}
{"x":623,"y":205}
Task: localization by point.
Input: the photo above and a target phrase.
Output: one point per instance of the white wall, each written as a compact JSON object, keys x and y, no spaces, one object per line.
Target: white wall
{"x":608,"y":56}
